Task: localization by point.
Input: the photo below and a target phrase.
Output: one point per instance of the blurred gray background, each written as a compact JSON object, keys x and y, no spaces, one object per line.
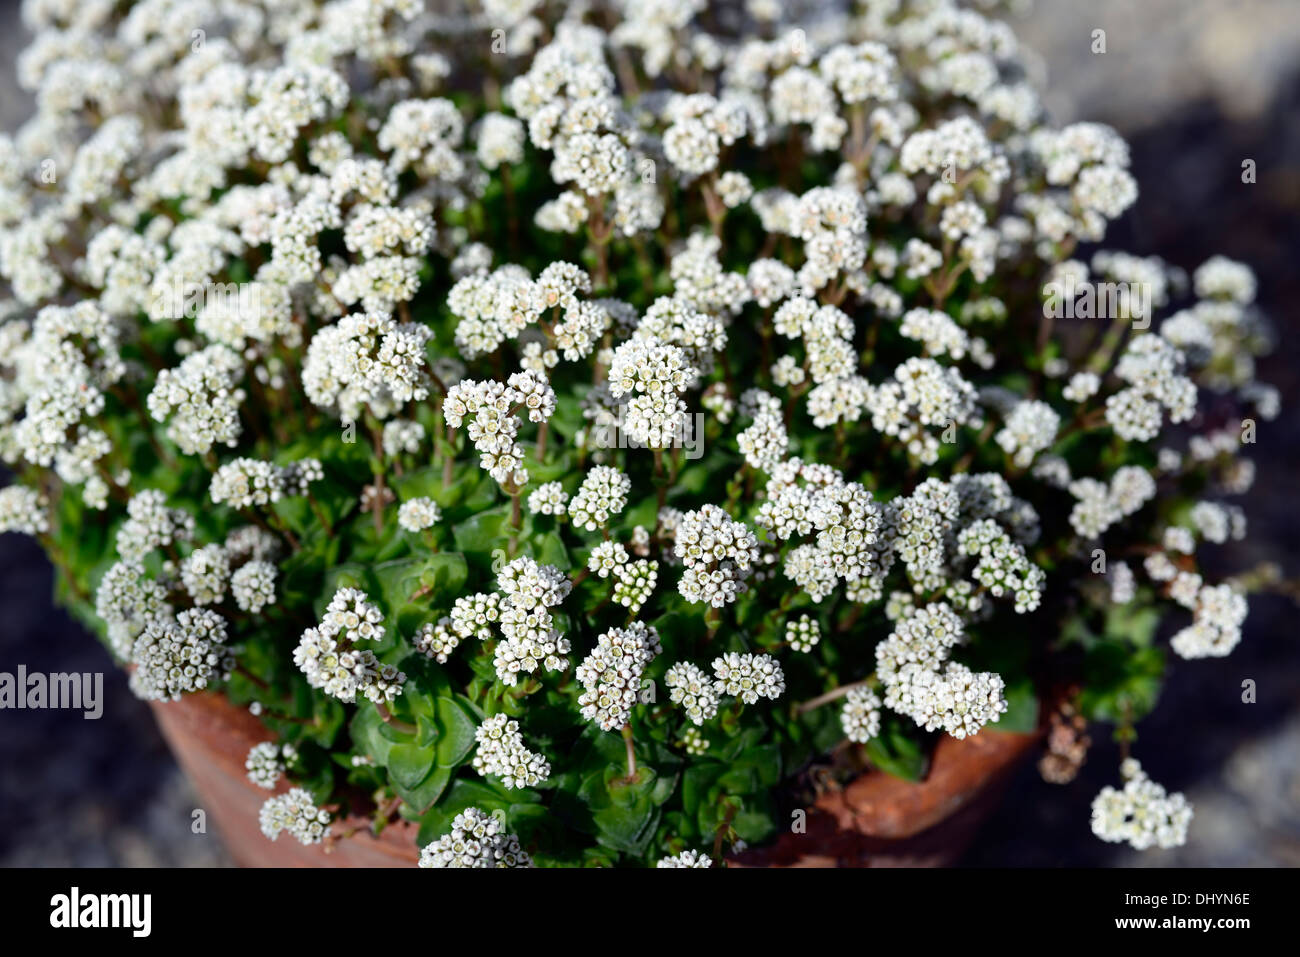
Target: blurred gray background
{"x":1197,"y":86}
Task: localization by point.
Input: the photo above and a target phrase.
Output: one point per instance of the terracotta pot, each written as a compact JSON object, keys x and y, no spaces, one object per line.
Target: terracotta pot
{"x":879,"y":820}
{"x":211,"y":739}
{"x":876,"y":820}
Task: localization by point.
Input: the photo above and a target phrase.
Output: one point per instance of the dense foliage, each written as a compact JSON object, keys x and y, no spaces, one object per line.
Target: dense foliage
{"x":565,"y":425}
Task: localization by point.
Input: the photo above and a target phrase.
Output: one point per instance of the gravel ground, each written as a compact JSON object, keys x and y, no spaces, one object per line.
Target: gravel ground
{"x":1197,"y":86}
{"x":78,"y":792}
{"x":1192,"y":110}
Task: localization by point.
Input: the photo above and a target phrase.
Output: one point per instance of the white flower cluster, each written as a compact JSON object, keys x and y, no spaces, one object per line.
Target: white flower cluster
{"x":549,"y":498}
{"x":367,"y":361}
{"x":267,"y":761}
{"x":803,"y":633}
{"x":611,"y":674}
{"x":923,"y":393}
{"x":936,"y":331}
{"x":860,"y":715}
{"x":476,"y":839}
{"x":205,"y":573}
{"x":151,"y":525}
{"x":655,"y":375}
{"x":803,"y":498}
{"x":245,"y":483}
{"x":58,"y":369}
{"x":23,"y":510}
{"x":606,"y":558}
{"x":499,"y":306}
{"x":1151,"y":366}
{"x":1101,"y":505}
{"x":686,"y":859}
{"x":327,"y":655}
{"x":636,"y":583}
{"x":748,"y":677}
{"x":1029,"y":429}
{"x":493,"y":426}
{"x":402,"y":435}
{"x":472,"y":615}
{"x":691,"y":688}
{"x":766,"y":442}
{"x":922,"y":682}
{"x":502,"y":753}
{"x":1002,"y":567}
{"x":530,"y":638}
{"x":177,"y":656}
{"x":1219,"y":612}
{"x":718,"y":554}
{"x":1143,"y":814}
{"x":602,"y":495}
{"x":201,"y":397}
{"x":417,"y":514}
{"x":437,"y":639}
{"x":295,"y":812}
{"x":128,"y":601}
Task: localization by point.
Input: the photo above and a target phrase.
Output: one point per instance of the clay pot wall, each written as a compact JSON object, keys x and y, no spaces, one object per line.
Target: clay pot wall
{"x":876,"y":820}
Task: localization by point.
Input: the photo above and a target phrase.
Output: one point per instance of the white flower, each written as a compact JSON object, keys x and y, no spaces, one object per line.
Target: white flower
{"x":295,"y":812}
{"x":417,"y":514}
{"x":860,"y":715}
{"x":476,"y":839}
{"x":602,"y":495}
{"x":205,"y":572}
{"x":151,"y":525}
{"x":328,"y":657}
{"x":253,"y":586}
{"x":686,"y":859}
{"x":175,"y":657}
{"x":719,"y":555}
{"x":607,"y":558}
{"x":549,"y":498}
{"x":1082,"y":386}
{"x":748,"y":677}
{"x":244,"y":483}
{"x":611,"y":674}
{"x":266,"y":763}
{"x":636,"y":583}
{"x":803,"y":633}
{"x":1142,"y":815}
{"x":654,"y":375}
{"x":202,"y":398}
{"x":1030,"y":428}
{"x":502,"y":753}
{"x":1219,"y":612}
{"x":1222,"y":278}
{"x":500,"y":140}
{"x":23,"y":510}
{"x":691,"y":688}
{"x":402,"y":435}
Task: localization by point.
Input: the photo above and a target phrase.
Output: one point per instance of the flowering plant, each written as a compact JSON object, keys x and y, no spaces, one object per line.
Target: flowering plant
{"x":566,"y":424}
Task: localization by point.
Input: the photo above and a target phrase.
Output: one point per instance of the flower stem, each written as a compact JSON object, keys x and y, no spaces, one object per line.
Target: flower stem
{"x":377,"y":443}
{"x":631,"y":752}
{"x":245,"y":673}
{"x":392,"y":721}
{"x":829,"y":696}
{"x":320,"y":515}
